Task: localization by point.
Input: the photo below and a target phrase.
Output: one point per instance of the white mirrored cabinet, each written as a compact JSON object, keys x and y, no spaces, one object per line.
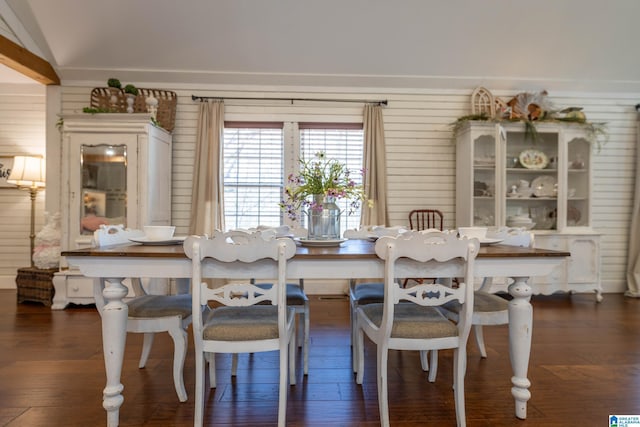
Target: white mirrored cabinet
{"x":115,"y":169}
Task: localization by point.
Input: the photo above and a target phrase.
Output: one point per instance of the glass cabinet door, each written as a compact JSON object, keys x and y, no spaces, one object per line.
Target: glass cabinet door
{"x":484,"y":180}
{"x":531,"y":179}
{"x":578,"y":182}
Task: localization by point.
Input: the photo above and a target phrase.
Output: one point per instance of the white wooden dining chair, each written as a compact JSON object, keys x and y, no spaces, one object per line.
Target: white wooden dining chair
{"x":490,"y":309}
{"x":150,"y":314}
{"x":368,"y":292}
{"x":361,"y":293}
{"x":296,"y":297}
{"x":239,"y":323}
{"x":298,"y":300}
{"x":409,"y":318}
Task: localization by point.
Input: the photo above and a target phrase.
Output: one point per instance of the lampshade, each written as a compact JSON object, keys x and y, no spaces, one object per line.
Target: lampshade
{"x":27,"y":171}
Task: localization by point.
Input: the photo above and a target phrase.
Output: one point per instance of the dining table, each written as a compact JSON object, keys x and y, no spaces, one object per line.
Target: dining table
{"x":351,"y":259}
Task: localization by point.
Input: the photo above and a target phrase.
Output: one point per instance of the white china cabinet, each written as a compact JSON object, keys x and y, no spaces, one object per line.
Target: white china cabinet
{"x":115,"y":169}
{"x":541,"y":179}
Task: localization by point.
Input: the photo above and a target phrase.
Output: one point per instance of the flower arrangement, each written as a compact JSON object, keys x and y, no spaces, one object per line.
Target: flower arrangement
{"x":320,"y":177}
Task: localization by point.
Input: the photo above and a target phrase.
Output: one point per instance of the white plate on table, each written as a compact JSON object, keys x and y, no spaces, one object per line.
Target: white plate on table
{"x":321,"y":243}
{"x":489,"y":241}
{"x":147,"y":241}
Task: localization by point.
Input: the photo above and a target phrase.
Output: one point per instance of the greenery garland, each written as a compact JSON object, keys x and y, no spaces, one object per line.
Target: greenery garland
{"x":596,"y":132}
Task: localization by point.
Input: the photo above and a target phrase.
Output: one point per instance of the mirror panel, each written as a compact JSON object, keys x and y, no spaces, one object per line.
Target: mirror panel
{"x":103,"y":186}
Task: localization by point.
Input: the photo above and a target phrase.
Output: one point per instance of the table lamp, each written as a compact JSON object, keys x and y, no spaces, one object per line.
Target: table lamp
{"x":28,"y":173}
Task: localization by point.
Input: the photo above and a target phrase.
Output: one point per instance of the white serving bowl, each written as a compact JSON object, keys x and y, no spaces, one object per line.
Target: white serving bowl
{"x":473,"y":232}
{"x":159,"y":232}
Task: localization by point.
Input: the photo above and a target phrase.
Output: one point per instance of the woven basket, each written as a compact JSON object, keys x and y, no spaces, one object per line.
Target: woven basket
{"x":167,"y":101}
{"x":35,"y":284}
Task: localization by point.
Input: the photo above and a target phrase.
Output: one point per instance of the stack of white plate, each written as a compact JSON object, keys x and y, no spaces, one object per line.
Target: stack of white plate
{"x":520,"y":221}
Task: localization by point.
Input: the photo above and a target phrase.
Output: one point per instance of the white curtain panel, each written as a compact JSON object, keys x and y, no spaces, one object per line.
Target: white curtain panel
{"x":633,"y":263}
{"x":207,"y":207}
{"x":375,"y":167}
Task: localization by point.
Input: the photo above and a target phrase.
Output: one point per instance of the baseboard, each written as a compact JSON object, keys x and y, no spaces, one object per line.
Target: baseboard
{"x":326,"y":287}
{"x":8,"y":282}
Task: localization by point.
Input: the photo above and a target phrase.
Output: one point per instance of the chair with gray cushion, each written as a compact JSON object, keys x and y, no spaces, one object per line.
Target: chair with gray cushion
{"x":490,"y":309}
{"x":409,"y":318}
{"x":298,"y":300}
{"x":150,"y":314}
{"x":366,"y":292}
{"x":238,"y":323}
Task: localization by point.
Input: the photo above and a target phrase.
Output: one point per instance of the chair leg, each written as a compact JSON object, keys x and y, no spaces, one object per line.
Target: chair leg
{"x":354,"y":342}
{"x":424,"y":361}
{"x":179,"y":336}
{"x":283,"y":389}
{"x":212,"y":369}
{"x":459,"y":367}
{"x":305,"y":344}
{"x":352,"y":323}
{"x":234,"y":364}
{"x":434,"y":366}
{"x":477,"y":331}
{"x":147,"y":343}
{"x":292,"y":347}
{"x":299,"y":331}
{"x":383,"y":399}
{"x":358,"y":352}
{"x":199,"y":399}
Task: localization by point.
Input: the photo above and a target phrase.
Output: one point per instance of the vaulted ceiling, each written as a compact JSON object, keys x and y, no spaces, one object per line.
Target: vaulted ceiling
{"x":581,"y":45}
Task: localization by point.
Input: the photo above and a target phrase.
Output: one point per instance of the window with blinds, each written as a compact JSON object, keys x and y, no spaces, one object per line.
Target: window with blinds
{"x":253,"y":175}
{"x":254,"y":165}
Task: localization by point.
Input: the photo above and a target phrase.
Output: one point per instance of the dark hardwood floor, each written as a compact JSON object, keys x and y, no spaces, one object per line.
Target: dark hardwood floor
{"x":585,"y":365}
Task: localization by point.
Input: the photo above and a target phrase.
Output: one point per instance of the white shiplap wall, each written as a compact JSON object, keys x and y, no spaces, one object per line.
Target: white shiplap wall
{"x":22,"y":131}
{"x":420,"y":153}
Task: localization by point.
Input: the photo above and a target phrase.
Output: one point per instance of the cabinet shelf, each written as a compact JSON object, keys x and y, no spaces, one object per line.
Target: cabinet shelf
{"x":531,"y":171}
{"x":530,"y":199}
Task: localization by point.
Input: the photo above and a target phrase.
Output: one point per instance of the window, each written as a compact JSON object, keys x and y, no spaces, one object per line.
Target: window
{"x":258,"y":156}
{"x":253,"y":171}
{"x":344,"y":144}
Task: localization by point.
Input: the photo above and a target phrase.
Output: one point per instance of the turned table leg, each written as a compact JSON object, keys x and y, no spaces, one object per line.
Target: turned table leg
{"x":520,"y":328}
{"x":114,"y":335}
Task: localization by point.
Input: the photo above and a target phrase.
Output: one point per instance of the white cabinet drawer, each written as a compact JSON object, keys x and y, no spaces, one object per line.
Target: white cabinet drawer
{"x":80,"y":287}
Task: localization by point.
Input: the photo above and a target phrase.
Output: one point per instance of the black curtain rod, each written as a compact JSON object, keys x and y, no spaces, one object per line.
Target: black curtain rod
{"x":365,"y":101}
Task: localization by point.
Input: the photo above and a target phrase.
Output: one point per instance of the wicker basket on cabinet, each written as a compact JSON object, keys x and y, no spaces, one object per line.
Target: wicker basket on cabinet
{"x":101,"y":97}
